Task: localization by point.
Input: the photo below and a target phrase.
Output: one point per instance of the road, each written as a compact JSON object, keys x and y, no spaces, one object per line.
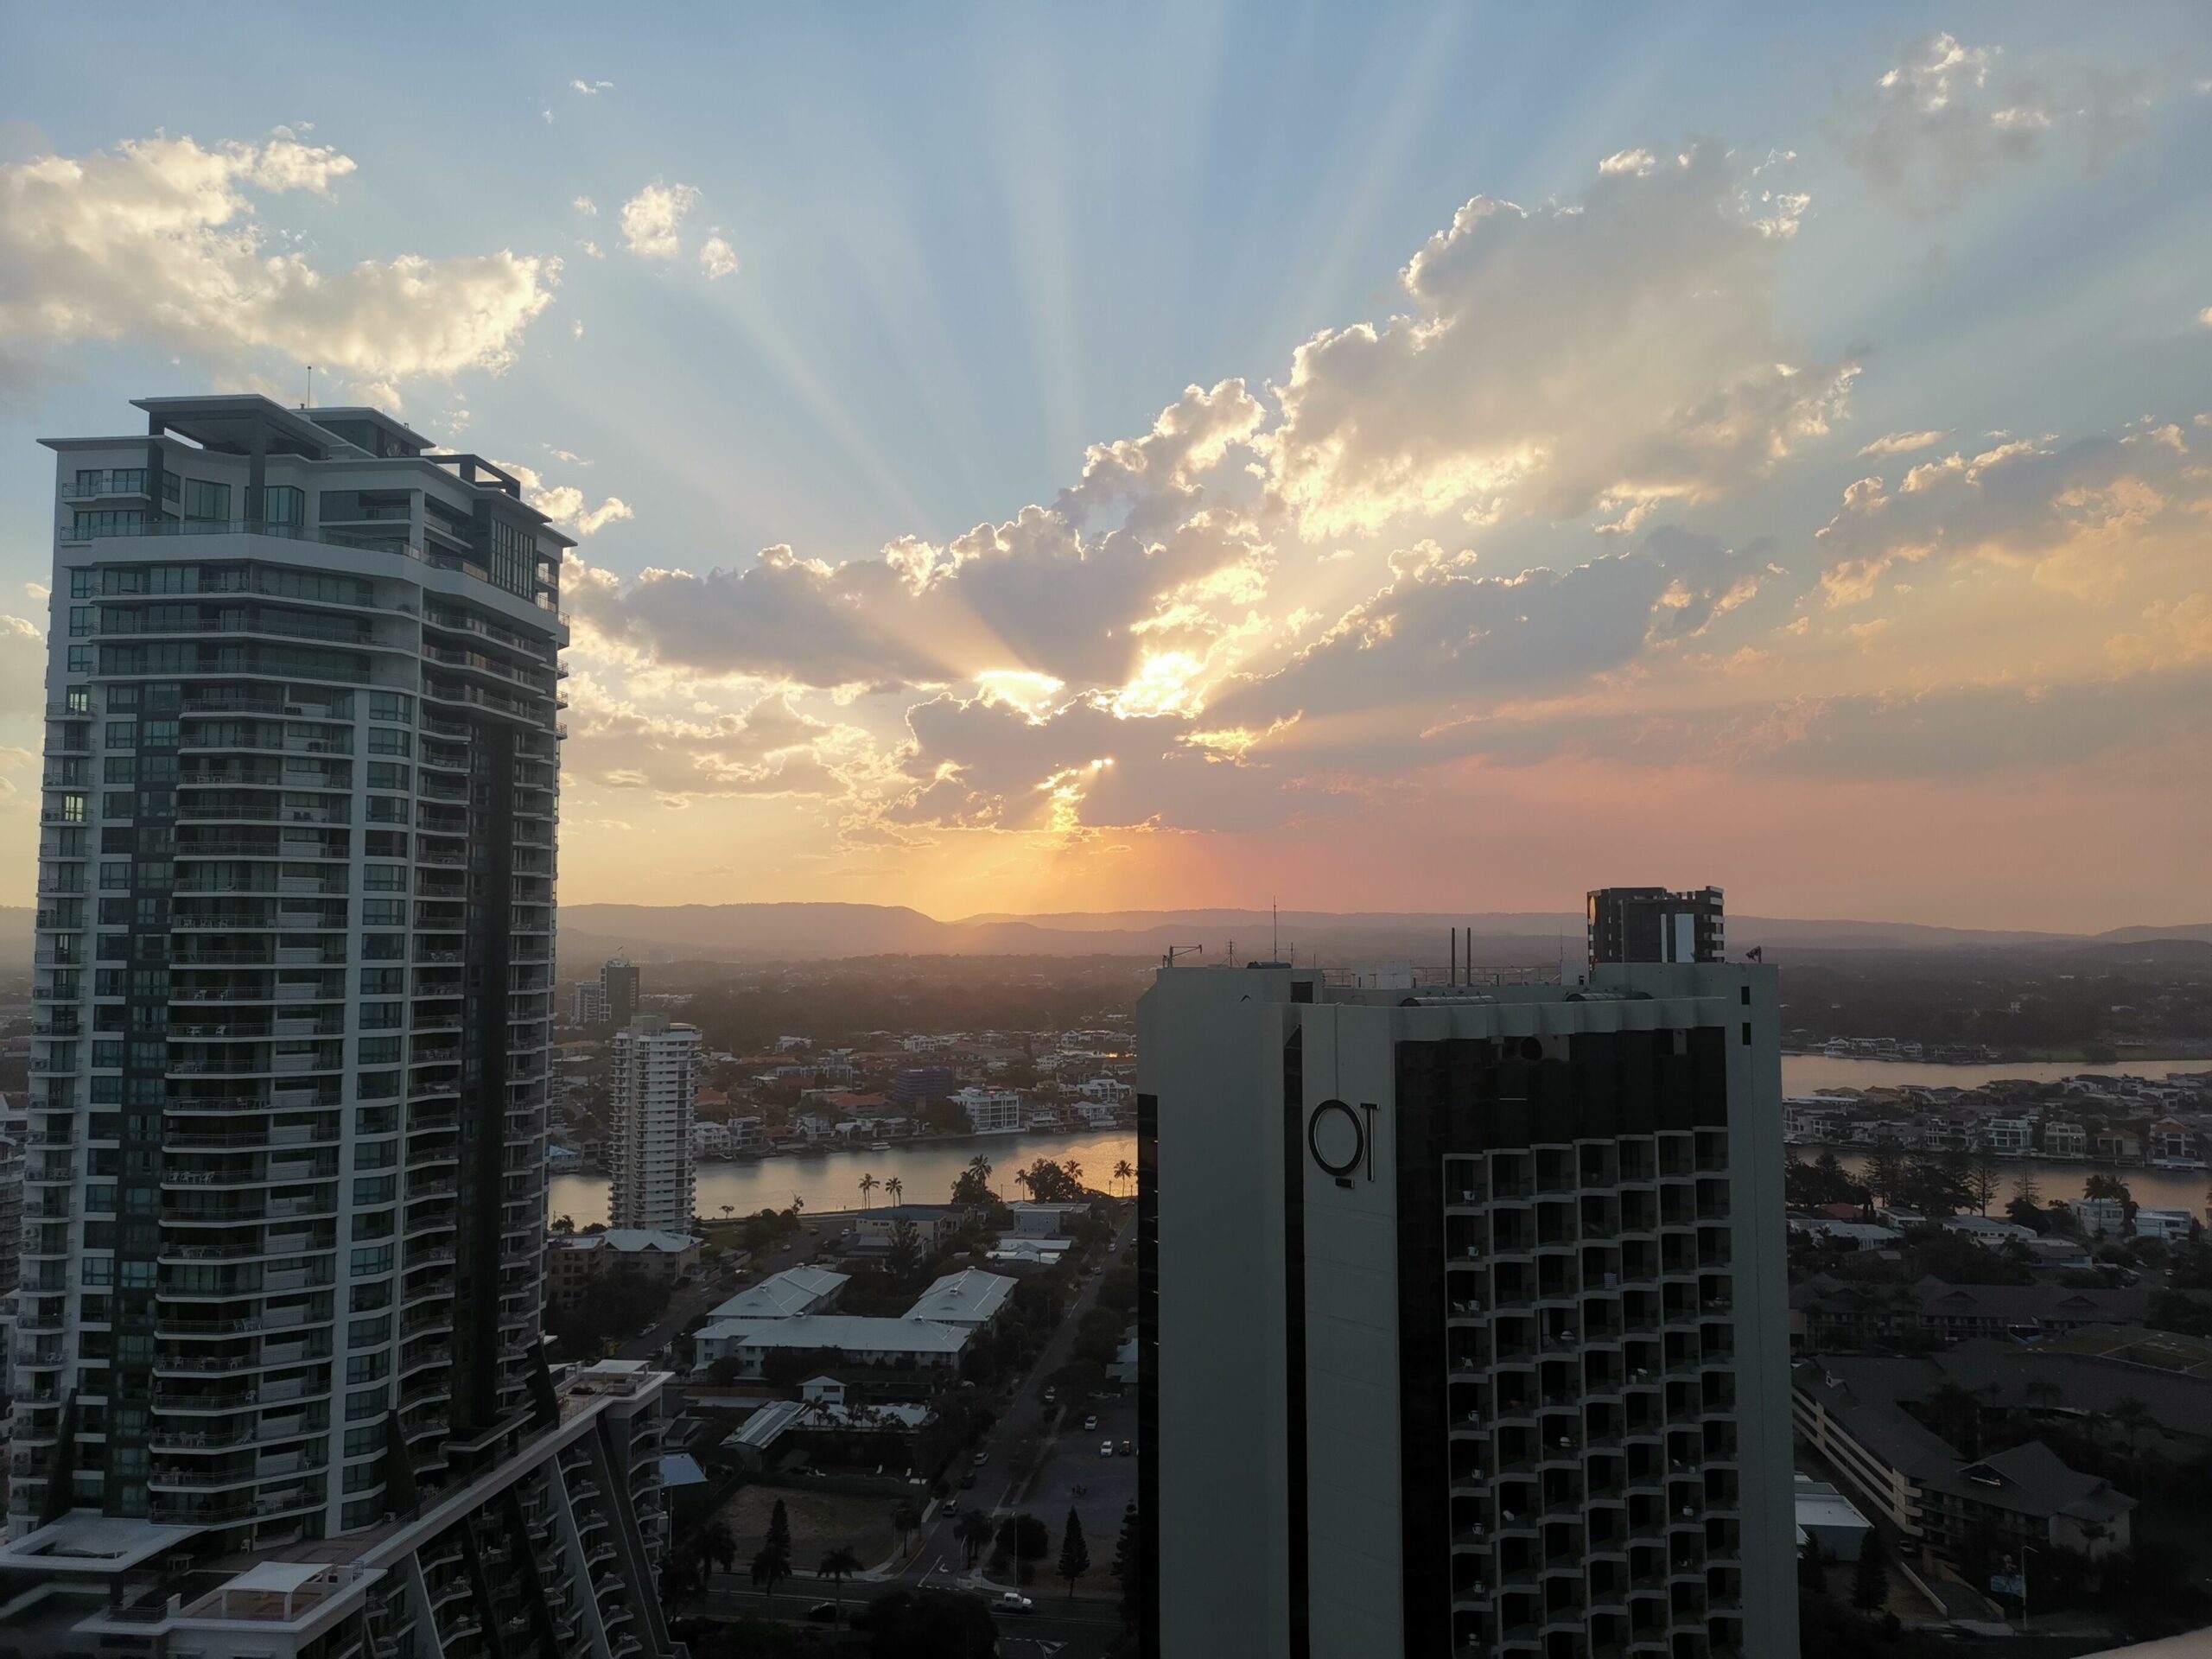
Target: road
{"x":1018,"y":1442}
{"x":1082,"y":1628}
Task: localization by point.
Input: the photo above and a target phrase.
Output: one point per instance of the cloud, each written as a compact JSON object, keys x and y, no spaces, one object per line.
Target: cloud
{"x":768,"y":748}
{"x":566,"y":505}
{"x":1619,"y":352}
{"x":591,"y":88}
{"x":1441,"y":636}
{"x":585,"y":205}
{"x":2174,"y":631}
{"x":159,"y":238}
{"x":1155,"y":478}
{"x":1935,"y":125}
{"x":652,"y":219}
{"x":2021,"y":501}
{"x":1904,"y":443}
{"x":716,"y":258}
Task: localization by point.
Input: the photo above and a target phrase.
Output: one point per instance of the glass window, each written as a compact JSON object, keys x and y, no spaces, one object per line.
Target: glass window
{"x":206,"y":500}
{"x":383,"y":740}
{"x":284,"y":503}
{"x":393,"y":706}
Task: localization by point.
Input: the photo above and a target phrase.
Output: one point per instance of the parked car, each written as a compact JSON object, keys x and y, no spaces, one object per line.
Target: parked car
{"x":1013,"y":1601}
{"x":981,"y":1458}
{"x":1105,"y":1448}
{"x":1090,"y":1420}
{"x":1128,"y":1448}
{"x":1050,"y":1395}
{"x":966,"y":1482}
{"x":823,"y":1612}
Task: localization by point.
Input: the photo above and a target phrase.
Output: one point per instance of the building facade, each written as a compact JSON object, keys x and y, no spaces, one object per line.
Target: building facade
{"x":649,"y":1148}
{"x":1652,"y":925}
{"x":619,"y":987}
{"x":1500,"y":1278}
{"x":285,"y":1191}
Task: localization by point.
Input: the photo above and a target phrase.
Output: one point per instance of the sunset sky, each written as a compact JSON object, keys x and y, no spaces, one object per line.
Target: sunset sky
{"x":1046,"y":458}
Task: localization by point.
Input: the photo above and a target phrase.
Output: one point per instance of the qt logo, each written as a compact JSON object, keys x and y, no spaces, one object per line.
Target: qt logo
{"x":1341,"y":1139}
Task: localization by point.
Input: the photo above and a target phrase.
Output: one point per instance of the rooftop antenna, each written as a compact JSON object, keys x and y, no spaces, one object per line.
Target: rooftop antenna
{"x":1175,"y":950}
{"x":310,"y":397}
{"x":1275,"y":913}
{"x":1453,"y":978}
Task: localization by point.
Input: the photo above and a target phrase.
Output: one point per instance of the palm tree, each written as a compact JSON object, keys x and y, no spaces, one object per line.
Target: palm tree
{"x":905,"y":1522}
{"x":2131,"y":1417}
{"x":728,"y":1210}
{"x":769,"y":1568}
{"x":974,"y":1532}
{"x":1123,"y":1173}
{"x":869,"y":1183}
{"x":896,"y":1188}
{"x":718,"y":1544}
{"x":1074,"y":1170}
{"x":837,"y":1566}
{"x":2044,"y":1393}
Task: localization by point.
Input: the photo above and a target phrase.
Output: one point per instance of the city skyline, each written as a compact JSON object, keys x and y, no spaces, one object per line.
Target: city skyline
{"x":1539,"y":384}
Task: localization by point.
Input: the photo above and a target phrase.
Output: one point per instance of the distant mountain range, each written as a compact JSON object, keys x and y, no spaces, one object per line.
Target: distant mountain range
{"x":802,"y":931}
{"x":812,"y":932}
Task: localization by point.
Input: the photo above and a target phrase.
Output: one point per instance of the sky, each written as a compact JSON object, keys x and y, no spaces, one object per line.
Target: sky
{"x":1042,"y":458}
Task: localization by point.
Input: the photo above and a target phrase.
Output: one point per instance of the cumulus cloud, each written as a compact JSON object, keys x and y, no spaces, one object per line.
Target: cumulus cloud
{"x":566,"y":505}
{"x":1440,"y":636}
{"x":717,"y":258}
{"x":1937,"y":123}
{"x":585,"y":206}
{"x":2173,"y":631}
{"x":2020,"y":500}
{"x":591,"y":88}
{"x":1904,"y":443}
{"x":1156,"y":478}
{"x":652,"y":220}
{"x":160,"y":236}
{"x":1606,"y":355}
{"x":767,"y":748}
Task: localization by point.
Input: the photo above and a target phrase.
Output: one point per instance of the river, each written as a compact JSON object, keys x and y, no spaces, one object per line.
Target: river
{"x":1809,"y":1074}
{"x":830,"y":1181}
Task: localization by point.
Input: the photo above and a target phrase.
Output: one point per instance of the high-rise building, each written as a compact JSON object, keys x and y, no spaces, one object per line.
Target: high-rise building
{"x":1652,"y":925}
{"x":1463,"y":1316}
{"x":282,"y":1274}
{"x":619,"y":983}
{"x":648,"y":1146}
{"x":589,"y":1005}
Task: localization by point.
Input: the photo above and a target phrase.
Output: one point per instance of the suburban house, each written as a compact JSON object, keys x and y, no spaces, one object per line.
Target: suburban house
{"x":572,"y":1261}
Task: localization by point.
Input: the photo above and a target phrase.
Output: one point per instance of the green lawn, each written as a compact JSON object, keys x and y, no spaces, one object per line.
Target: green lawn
{"x":820,"y":1522}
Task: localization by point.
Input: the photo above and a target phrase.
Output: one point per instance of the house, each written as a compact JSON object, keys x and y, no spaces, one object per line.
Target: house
{"x":2108,"y":1219}
{"x":572,"y":1261}
{"x":2008,"y":1137}
{"x":2171,"y":1144}
{"x":932,"y":1223}
{"x":1046,"y":1220}
{"x":900,"y":1344}
{"x":1094,"y":1114}
{"x":1107,"y":1091}
{"x":2064,"y":1138}
{"x":1988,"y":1230}
{"x":2117,"y":1145}
{"x":823,"y":1411}
{"x":1852,"y":1411}
{"x":748,"y":1136}
{"x":1859,"y":1235}
{"x":709,"y":1139}
{"x":990,"y":1111}
{"x":968,"y":1298}
{"x":1828,"y":1314}
{"x":1826,"y":1518}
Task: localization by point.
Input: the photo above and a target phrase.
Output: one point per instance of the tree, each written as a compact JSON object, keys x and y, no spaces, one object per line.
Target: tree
{"x":837,"y":1566}
{"x":769,"y":1568}
{"x":2132,"y":1419}
{"x":680,"y":1578}
{"x":1884,"y":1171}
{"x":1870,"y":1580}
{"x":896,"y":1188}
{"x":906,"y":1521}
{"x":1122,"y":1173}
{"x":869,"y":1183}
{"x":563,"y":1224}
{"x":1129,"y":1567}
{"x":717,"y":1543}
{"x":2025,"y":1187}
{"x":974,"y":1532}
{"x":1982,"y":1180}
{"x":905,"y":1257}
{"x":780,"y":1531}
{"x":1074,"y":1554}
{"x":1812,"y":1567}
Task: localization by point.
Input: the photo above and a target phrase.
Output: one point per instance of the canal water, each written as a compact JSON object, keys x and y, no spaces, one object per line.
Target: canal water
{"x":830,"y":1181}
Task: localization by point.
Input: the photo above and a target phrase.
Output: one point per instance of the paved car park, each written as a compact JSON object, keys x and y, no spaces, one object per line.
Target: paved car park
{"x":1109,"y":1484}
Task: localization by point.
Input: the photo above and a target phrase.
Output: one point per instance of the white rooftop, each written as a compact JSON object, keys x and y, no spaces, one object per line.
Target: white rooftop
{"x":84,"y":1541}
{"x":630,"y":1239}
{"x":783,"y":1295}
{"x":968,"y":1297}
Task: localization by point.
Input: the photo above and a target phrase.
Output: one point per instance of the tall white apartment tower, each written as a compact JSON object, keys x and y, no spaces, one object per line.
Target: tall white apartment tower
{"x":282,"y":1274}
{"x":1463,"y":1316}
{"x":649,"y":1148}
